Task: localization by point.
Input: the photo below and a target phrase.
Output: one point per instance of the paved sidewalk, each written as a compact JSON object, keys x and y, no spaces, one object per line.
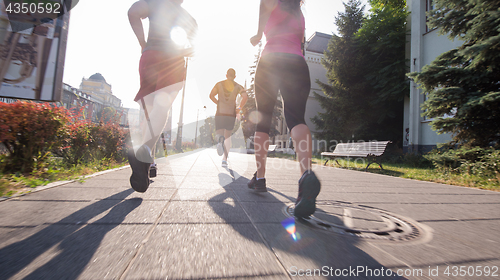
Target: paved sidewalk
{"x":199,"y":221}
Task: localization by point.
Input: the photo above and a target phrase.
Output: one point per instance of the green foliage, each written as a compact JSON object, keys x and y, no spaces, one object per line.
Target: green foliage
{"x":366,"y":69}
{"x":445,"y":157}
{"x":383,"y":39}
{"x":109,"y":115}
{"x":186,"y":146}
{"x":33,"y":132}
{"x":29,"y":131}
{"x":207,"y":132}
{"x":417,"y":167}
{"x":463,"y":84}
{"x":483,"y":162}
{"x":345,"y":87}
{"x":383,"y":35}
{"x":488,"y":165}
{"x":56,"y":170}
{"x":416,"y":160}
{"x":86,"y":141}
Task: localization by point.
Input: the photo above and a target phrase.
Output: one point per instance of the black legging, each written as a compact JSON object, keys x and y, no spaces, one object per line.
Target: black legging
{"x":288,"y":74}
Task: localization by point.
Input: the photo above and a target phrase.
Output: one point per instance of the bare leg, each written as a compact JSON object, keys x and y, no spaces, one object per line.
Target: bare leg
{"x":301,"y":135}
{"x":227,"y":143}
{"x":261,"y":141}
{"x":157,"y":106}
{"x":219,"y":132}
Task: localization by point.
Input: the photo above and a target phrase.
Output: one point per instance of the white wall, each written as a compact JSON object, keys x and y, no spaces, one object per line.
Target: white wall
{"x":425,"y":46}
{"x":317,"y":72}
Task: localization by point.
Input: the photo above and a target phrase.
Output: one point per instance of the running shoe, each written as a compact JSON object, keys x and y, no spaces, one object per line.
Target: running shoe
{"x":139,"y":180}
{"x":257,"y":185}
{"x":152,"y":170}
{"x":309,"y":187}
{"x":220,"y":146}
{"x":224,"y":163}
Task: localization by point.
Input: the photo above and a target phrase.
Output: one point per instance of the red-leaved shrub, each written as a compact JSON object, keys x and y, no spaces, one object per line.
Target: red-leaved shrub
{"x":32,"y":131}
{"x":29,"y":132}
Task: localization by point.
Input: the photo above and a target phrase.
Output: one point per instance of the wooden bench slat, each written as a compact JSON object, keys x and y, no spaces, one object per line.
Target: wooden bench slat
{"x":358,"y":150}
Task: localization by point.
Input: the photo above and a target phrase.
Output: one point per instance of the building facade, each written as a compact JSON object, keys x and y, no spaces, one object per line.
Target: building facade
{"x":102,"y":96}
{"x":424,"y":46}
{"x":93,"y":96}
{"x":90,"y":99}
{"x":79,"y":102}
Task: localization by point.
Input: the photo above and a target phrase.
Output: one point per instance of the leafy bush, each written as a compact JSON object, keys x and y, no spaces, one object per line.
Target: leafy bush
{"x":416,"y":160}
{"x":484,"y":162}
{"x":85,"y":141}
{"x":79,"y":143}
{"x":113,"y":141}
{"x":487,"y":166}
{"x":29,"y":132}
{"x":186,"y":146}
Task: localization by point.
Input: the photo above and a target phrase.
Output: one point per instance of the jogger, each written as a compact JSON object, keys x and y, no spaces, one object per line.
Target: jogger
{"x":162,"y":74}
{"x":282,"y":68}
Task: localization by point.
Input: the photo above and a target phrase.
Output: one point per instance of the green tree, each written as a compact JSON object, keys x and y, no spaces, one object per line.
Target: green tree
{"x":110,"y":115}
{"x":207,"y":132}
{"x":382,"y":39}
{"x":463,"y":85}
{"x":366,"y":69}
{"x":344,"y":91}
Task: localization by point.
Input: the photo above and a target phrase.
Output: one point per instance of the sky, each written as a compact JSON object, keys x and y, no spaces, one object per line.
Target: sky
{"x":101,"y":40}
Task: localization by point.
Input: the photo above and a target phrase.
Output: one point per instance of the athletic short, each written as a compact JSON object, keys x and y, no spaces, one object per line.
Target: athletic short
{"x":224,"y":122}
{"x":289,"y":75}
{"x":159,"y":70}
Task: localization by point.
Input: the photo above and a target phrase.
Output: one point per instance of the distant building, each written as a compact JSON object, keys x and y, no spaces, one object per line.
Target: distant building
{"x":425,"y":45}
{"x":78,"y":101}
{"x":90,"y":99}
{"x":102,"y":96}
{"x":93,"y":96}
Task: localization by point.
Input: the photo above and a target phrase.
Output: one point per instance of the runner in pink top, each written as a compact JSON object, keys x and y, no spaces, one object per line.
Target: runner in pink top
{"x":283,"y":69}
{"x":284,"y":32}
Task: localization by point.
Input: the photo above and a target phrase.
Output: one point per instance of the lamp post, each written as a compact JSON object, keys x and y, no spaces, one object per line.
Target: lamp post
{"x":196,"y":131}
{"x":178,"y":142}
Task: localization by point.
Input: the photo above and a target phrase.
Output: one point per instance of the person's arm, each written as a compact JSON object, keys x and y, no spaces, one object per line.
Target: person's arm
{"x":244,"y":98}
{"x":191,"y":30}
{"x":213,"y":93}
{"x":138,"y":11}
{"x":266,"y":7}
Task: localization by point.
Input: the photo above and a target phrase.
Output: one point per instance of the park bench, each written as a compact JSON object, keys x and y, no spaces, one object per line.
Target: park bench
{"x":370,"y":150}
{"x":271,"y":150}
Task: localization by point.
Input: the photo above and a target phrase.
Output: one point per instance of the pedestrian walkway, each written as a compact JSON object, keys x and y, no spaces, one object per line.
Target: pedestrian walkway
{"x":198,"y":220}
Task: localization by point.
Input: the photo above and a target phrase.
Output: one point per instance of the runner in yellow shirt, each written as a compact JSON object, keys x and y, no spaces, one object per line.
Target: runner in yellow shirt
{"x":226,"y":92}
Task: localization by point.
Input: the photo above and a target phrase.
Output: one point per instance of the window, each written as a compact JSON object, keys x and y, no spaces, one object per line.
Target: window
{"x":429,"y":6}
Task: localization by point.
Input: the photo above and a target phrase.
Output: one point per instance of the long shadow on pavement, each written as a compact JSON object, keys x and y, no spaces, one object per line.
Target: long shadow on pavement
{"x":313,"y":249}
{"x":78,"y":242}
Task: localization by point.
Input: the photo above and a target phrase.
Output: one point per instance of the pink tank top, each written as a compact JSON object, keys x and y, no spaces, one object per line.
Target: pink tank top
{"x":284,"y":32}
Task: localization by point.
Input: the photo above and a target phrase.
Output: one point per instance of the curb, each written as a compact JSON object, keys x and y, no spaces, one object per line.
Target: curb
{"x":61,"y":183}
